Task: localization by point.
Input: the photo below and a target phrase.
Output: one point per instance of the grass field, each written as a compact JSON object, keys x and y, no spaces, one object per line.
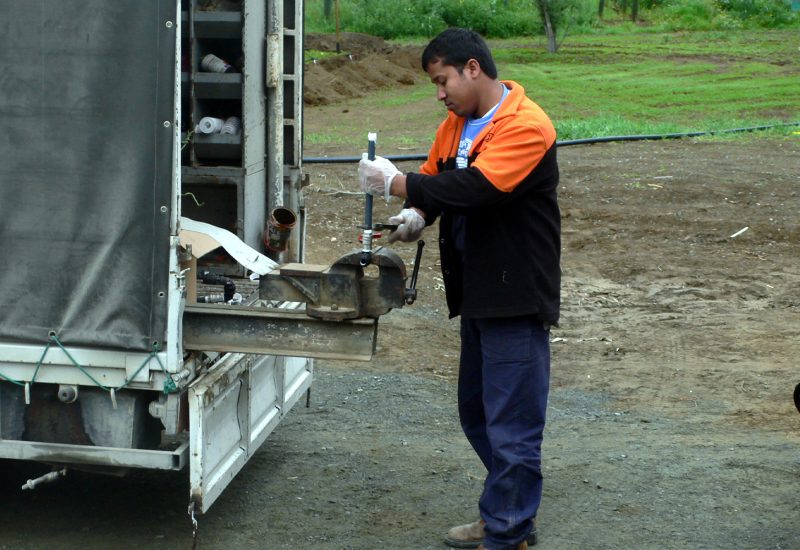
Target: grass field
{"x":621,"y":84}
{"x":649,"y":83}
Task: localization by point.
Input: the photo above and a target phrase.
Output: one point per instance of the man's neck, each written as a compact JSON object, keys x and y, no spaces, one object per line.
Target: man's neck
{"x":490,"y":97}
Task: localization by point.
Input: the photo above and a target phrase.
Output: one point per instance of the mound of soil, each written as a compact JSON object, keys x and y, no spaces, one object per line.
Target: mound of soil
{"x":366,"y":63}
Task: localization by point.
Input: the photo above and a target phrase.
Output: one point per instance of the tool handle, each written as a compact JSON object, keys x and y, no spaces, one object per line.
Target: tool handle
{"x":366,"y":238}
{"x":411,"y":292}
{"x":368,"y":211}
{"x":417,"y":258}
{"x":368,"y":198}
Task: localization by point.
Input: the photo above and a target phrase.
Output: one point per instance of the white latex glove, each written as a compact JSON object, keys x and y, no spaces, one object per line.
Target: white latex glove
{"x":376,"y":176}
{"x":410,"y":226}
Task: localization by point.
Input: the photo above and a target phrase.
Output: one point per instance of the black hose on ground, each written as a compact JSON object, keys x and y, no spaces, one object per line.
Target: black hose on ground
{"x":584,"y":141}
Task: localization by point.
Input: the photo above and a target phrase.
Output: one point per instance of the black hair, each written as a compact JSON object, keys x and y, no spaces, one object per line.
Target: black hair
{"x":455,"y":47}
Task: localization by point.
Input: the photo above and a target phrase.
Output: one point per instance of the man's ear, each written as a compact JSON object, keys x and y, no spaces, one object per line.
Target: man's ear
{"x":472,"y":68}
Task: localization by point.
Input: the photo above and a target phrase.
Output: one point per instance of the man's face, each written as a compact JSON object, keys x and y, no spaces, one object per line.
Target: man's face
{"x":455,"y":89}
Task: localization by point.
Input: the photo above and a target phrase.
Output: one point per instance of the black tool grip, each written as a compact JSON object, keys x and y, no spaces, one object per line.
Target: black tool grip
{"x":411,"y":291}
{"x":417,"y":258}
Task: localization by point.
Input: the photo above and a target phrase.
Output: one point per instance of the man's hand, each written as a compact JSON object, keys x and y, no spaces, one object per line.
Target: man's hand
{"x":410,"y":226}
{"x":376,"y":176}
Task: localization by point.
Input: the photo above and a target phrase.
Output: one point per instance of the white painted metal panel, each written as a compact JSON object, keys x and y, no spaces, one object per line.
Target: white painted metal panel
{"x":232,"y":410}
{"x":297,"y":379}
{"x":217,"y":429}
{"x":266,"y":381}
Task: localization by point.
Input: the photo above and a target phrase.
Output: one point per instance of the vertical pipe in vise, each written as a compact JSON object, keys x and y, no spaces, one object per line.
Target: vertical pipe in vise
{"x":275,"y":102}
{"x":366,"y":236}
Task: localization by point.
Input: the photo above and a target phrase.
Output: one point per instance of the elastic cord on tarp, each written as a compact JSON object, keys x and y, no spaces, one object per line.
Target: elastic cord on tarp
{"x":169,"y":383}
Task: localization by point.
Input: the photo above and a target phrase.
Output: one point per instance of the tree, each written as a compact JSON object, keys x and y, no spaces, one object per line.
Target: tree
{"x":548,"y":23}
{"x":622,"y":6}
{"x":555,"y":16}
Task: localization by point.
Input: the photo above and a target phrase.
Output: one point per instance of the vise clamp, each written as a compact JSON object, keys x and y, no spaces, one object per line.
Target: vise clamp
{"x":343,"y":290}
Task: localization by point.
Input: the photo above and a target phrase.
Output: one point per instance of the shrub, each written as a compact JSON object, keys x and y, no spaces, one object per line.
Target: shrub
{"x":760,"y":13}
{"x":425,"y":18}
{"x":514,"y":18}
{"x":727,"y":22}
{"x":395,"y":18}
{"x":689,"y":14}
{"x":510,"y":25}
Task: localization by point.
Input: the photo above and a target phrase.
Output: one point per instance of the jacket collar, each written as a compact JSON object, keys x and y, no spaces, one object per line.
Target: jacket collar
{"x":516,"y":93}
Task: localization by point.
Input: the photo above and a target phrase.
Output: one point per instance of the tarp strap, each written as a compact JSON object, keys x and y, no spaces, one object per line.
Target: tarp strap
{"x":169,"y":383}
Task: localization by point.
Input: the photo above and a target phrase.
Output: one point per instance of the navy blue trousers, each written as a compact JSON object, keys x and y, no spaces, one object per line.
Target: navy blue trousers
{"x":503,"y":382}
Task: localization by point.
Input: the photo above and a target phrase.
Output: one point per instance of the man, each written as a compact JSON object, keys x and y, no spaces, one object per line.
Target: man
{"x":491,"y":176}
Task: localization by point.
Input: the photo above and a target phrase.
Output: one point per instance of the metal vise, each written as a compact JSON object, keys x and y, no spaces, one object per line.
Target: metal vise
{"x":342,"y":291}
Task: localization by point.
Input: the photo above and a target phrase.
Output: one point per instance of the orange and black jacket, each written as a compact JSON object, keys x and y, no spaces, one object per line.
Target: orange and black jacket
{"x":507,"y":193}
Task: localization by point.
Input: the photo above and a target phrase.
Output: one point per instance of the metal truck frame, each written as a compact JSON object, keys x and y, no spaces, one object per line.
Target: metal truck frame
{"x":106,"y":360}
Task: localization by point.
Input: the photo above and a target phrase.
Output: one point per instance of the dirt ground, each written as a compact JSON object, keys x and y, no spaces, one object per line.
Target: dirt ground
{"x":671,"y":422}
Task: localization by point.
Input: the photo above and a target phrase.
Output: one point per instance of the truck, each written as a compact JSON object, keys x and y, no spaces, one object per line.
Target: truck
{"x":157,"y":309}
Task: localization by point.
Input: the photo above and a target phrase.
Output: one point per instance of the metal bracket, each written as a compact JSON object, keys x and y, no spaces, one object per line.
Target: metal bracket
{"x":169,"y":409}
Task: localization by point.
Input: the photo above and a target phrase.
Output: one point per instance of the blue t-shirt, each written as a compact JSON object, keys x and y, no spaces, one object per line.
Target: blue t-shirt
{"x":472,"y":127}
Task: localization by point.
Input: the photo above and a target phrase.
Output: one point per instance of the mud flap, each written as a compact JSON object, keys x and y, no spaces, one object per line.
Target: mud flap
{"x":232,"y":410}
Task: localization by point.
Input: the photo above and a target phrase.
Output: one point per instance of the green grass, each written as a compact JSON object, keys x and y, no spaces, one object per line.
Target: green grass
{"x":310,"y":55}
{"x":315,"y":138}
{"x":660,"y":83}
{"x":610,"y":85}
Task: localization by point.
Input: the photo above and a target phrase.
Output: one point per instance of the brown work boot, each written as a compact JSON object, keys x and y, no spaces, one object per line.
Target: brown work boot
{"x":470,"y":535}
